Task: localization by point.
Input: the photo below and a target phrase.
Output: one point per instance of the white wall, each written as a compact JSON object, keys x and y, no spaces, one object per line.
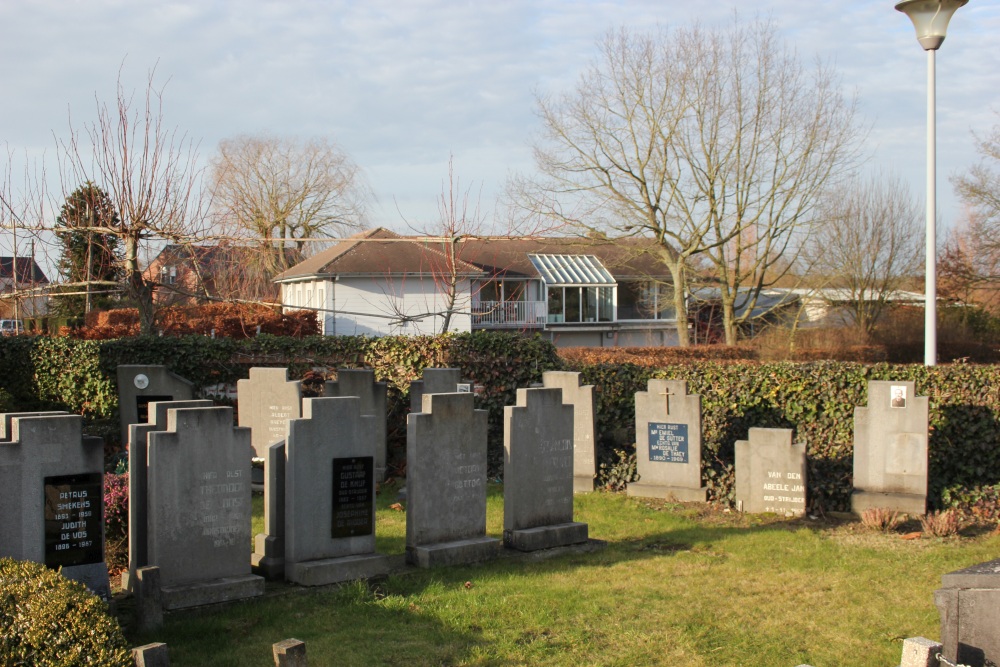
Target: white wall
{"x":377,"y":306}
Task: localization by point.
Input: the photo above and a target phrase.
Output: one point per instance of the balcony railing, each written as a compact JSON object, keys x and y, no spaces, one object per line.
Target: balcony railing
{"x":508,"y":314}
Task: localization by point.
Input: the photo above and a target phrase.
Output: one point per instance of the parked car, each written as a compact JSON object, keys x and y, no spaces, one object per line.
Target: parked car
{"x":11,"y":327}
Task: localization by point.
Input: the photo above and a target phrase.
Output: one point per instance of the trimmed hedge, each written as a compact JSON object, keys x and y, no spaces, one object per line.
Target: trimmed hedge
{"x":80,"y":376}
{"x":816,"y":399}
{"x":50,"y":621}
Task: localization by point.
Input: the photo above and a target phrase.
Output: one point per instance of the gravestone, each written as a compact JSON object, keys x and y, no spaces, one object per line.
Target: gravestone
{"x":268,"y":558}
{"x":140,"y":385}
{"x":434,"y":381}
{"x":198,"y":508}
{"x":7,"y":420}
{"x":584,"y":426}
{"x":538,"y":473}
{"x":969,"y":604}
{"x":330,"y":495}
{"x":267,"y":400}
{"x":771,"y":473}
{"x":446,"y":483}
{"x":890,"y":449}
{"x":668,"y":442}
{"x":137,"y":441}
{"x":361,"y":383}
{"x":52,"y":497}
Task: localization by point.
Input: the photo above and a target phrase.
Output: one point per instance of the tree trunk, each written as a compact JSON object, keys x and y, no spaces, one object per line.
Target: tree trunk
{"x":677,"y":272}
{"x":139,"y":290}
{"x":729,"y":318}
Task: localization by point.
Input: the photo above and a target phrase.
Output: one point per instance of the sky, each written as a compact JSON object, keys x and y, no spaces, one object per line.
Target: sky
{"x":404,"y":85}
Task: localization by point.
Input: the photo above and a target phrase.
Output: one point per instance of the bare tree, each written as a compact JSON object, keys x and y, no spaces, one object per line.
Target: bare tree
{"x":443,"y":243}
{"x":150,"y":174}
{"x":276,"y":191}
{"x":980,"y":187}
{"x":713,"y":142}
{"x":969,"y":265}
{"x":22,"y":206}
{"x":869,"y":245}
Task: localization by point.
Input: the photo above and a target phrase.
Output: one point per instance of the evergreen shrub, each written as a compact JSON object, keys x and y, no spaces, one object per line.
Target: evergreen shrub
{"x":50,"y":621}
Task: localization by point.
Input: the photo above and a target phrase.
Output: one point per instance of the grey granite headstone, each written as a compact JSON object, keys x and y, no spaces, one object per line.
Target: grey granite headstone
{"x":268,"y":558}
{"x":52,"y":495}
{"x":137,"y":434}
{"x":668,"y":442}
{"x":330,"y":495}
{"x":969,"y":604}
{"x":771,"y":473}
{"x":446,"y":483}
{"x":433,"y":381}
{"x":7,"y":419}
{"x":584,"y":425}
{"x":198,"y":508}
{"x":890,"y":449}
{"x":538,"y":473}
{"x":267,"y":400}
{"x":140,"y":385}
{"x":361,"y":383}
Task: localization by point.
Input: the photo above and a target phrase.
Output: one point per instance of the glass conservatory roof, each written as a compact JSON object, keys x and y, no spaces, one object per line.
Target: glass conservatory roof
{"x":558,"y":270}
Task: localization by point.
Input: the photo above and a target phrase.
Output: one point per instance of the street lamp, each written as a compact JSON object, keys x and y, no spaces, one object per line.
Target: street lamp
{"x":930,"y":18}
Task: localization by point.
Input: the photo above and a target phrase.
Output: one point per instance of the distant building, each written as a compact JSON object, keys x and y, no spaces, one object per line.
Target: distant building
{"x":191,"y":274}
{"x":23,"y":288}
{"x":593,"y":292}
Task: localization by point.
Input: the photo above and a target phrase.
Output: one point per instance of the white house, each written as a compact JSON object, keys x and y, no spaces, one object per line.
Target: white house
{"x":574,"y":291}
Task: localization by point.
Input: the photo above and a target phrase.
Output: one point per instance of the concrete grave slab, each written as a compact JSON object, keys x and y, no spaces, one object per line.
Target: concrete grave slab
{"x":446,"y":483}
{"x":668,"y":442}
{"x":584,"y":425}
{"x":433,"y":381}
{"x":52,"y":495}
{"x":771,"y":473}
{"x":330,"y":495}
{"x":890,"y":449}
{"x":373,"y":395}
{"x":137,"y":465}
{"x":268,"y":558}
{"x":267,"y":401}
{"x":198,"y":500}
{"x":538,"y":472}
{"x":969,"y":604}
{"x":139,"y":385}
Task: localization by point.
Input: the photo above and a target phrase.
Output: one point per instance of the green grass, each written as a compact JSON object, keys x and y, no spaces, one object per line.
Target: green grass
{"x":674,"y":585}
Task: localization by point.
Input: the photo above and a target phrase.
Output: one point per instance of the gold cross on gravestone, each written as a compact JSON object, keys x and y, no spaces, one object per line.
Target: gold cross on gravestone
{"x":666,"y":399}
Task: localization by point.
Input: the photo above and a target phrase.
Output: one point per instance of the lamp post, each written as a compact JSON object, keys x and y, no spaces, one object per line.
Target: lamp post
{"x":930,"y":19}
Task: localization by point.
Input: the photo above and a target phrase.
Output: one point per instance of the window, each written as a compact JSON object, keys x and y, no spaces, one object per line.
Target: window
{"x":581,"y":304}
{"x":645,"y":300}
{"x":503,"y":290}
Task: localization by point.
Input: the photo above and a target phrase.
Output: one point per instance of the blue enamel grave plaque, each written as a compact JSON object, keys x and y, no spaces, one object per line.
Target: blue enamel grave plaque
{"x":668,"y":443}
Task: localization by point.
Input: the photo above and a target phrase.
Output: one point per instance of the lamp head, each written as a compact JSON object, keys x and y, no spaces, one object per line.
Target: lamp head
{"x":930,"y":19}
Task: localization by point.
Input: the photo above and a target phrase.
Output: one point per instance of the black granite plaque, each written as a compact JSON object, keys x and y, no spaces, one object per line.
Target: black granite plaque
{"x":74,"y":519}
{"x":353,"y":496}
{"x":142,"y":406}
{"x":668,"y":442}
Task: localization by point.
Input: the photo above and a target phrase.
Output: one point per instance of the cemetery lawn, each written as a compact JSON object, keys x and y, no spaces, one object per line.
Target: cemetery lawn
{"x":673,"y":584}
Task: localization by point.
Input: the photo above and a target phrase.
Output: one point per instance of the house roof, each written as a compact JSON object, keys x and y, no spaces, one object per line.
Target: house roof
{"x":624,"y":258}
{"x":378,"y":252}
{"x":28,"y":270}
{"x":383,"y":252}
